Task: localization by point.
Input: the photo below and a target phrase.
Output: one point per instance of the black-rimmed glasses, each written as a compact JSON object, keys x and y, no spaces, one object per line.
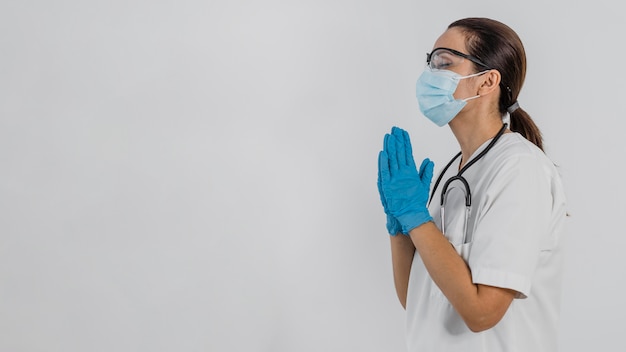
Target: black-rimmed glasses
{"x":445,"y":58}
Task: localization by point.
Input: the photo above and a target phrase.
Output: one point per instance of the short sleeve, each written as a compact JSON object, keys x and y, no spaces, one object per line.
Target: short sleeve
{"x":512,"y":221}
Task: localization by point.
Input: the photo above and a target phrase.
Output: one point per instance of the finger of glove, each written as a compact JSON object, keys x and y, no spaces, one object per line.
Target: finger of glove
{"x":383,"y":200}
{"x":398,"y":134}
{"x":426,"y":170}
{"x":382,"y":164}
{"x":383,"y":175}
{"x":391,"y":152}
{"x":408,"y":148}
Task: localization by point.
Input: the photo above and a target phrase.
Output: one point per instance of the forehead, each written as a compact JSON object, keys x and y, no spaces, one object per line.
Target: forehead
{"x":452,"y":38}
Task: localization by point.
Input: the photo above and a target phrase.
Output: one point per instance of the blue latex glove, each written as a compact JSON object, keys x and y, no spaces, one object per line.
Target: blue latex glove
{"x":393,"y":225}
{"x":405,"y":189}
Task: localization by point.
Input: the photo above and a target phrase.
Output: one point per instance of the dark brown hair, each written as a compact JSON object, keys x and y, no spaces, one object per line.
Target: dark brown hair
{"x":500,"y":48}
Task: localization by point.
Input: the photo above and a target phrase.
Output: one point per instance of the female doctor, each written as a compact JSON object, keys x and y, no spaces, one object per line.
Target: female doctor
{"x":476,"y":259}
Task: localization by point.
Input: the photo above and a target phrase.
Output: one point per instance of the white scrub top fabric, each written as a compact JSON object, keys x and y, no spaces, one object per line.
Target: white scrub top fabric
{"x":514,"y":241}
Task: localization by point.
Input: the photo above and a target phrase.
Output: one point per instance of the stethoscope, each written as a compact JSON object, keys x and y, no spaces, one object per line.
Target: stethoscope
{"x":459,"y":177}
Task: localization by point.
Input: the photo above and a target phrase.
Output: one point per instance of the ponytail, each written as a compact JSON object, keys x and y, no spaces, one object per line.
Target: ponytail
{"x":524,"y":125}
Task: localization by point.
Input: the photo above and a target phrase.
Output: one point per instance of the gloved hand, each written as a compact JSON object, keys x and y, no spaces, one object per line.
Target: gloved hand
{"x":405,"y":190}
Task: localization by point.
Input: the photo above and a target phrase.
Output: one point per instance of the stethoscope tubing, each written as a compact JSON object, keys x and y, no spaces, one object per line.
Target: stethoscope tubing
{"x":458,"y":176}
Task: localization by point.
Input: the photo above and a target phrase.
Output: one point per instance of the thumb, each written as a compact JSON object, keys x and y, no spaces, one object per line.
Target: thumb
{"x":426,"y":170}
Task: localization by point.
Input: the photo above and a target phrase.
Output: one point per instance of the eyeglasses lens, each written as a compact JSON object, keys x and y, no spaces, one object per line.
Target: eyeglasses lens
{"x":442,"y":59}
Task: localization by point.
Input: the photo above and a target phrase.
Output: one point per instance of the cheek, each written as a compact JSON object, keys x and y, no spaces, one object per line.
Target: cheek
{"x":463,"y":90}
{"x":466,"y":88}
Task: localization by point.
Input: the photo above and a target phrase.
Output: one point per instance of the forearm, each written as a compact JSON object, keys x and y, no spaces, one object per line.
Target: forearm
{"x":402,"y":251}
{"x":481,"y":307}
{"x":444,"y":265}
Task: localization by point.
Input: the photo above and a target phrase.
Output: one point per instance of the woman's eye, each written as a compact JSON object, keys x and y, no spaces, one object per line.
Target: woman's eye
{"x":441,"y":64}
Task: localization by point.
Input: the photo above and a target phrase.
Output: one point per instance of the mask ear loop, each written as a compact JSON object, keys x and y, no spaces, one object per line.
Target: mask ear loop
{"x":473,"y":74}
{"x":469,"y":76}
{"x":471,"y":98}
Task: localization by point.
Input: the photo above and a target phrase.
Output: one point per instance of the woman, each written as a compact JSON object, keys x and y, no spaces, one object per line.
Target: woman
{"x":477,"y":265}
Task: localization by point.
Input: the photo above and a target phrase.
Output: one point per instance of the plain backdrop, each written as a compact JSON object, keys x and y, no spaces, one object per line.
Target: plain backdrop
{"x":201,"y":175}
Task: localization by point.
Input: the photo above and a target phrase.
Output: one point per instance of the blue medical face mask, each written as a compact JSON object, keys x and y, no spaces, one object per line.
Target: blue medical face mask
{"x":434,"y":91}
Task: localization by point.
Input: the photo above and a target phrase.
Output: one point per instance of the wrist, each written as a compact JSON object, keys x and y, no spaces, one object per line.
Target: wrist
{"x":413,"y":220}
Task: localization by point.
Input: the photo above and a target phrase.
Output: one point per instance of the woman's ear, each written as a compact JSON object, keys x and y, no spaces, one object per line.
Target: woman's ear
{"x":491,"y":82}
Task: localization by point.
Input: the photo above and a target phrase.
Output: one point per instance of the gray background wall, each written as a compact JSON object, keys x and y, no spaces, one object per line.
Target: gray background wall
{"x":201,"y":176}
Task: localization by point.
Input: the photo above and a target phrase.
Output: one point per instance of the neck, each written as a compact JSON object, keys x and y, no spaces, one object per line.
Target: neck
{"x":472,"y":134}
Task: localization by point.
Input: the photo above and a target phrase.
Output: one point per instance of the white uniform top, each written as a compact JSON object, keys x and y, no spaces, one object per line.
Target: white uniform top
{"x":514,"y":241}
